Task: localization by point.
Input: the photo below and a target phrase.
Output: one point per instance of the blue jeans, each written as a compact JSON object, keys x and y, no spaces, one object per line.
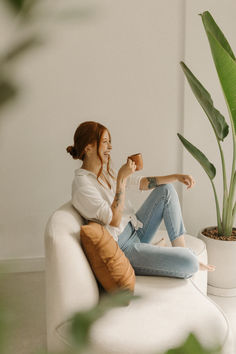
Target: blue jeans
{"x":148,"y":259}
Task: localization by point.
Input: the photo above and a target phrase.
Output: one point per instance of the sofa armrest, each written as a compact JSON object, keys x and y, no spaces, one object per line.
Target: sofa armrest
{"x":70,"y":283}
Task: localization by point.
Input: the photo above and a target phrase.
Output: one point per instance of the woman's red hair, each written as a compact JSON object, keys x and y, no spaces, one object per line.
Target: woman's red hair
{"x":88,"y":133}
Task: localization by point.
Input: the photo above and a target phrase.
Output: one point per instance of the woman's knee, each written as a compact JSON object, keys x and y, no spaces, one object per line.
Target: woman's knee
{"x":168,"y":189}
{"x":191,"y":264}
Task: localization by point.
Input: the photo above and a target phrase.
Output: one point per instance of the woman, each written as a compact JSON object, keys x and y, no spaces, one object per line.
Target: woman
{"x":98,"y":193}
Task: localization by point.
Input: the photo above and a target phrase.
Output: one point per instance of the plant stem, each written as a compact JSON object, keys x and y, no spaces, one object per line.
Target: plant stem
{"x":233,"y":213}
{"x":225,"y":188}
{"x":231,"y":209}
{"x":232,"y":179}
{"x":219,"y":223}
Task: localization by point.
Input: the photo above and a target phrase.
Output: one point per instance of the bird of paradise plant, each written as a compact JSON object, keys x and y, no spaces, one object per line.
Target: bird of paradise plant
{"x":225,"y":64}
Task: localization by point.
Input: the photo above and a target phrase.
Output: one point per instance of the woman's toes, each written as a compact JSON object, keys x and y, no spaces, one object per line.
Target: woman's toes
{"x":211,"y":267}
{"x":207,"y":267}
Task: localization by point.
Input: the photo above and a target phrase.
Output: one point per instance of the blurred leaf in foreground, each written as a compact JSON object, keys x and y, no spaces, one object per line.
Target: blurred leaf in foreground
{"x":20,"y":48}
{"x":82,"y":321}
{"x":23,"y":6}
{"x":82,"y":13}
{"x":7,"y":91}
{"x":193,"y":346}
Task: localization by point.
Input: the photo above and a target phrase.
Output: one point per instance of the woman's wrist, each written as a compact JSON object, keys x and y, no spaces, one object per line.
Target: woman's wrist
{"x":176,"y":176}
{"x":167,"y":179}
{"x":121,"y":180}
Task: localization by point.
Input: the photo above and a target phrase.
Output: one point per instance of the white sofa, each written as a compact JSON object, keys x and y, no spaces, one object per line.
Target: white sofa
{"x":169,"y":308}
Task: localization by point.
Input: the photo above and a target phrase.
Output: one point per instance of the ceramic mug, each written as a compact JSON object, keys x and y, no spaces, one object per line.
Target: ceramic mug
{"x":137,"y":158}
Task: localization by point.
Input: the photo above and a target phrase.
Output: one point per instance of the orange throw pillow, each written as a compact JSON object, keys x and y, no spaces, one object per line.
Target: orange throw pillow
{"x":108,"y":262}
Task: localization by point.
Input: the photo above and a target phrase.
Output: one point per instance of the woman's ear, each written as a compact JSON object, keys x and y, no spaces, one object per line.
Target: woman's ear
{"x":89,"y":148}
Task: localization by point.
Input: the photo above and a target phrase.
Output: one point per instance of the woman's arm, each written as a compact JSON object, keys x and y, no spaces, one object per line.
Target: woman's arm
{"x":147,"y":183}
{"x":119,"y":201}
{"x":118,"y":204}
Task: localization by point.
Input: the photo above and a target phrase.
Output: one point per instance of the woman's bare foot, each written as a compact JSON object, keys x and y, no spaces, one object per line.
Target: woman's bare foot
{"x":161,"y":243}
{"x":208,"y":267}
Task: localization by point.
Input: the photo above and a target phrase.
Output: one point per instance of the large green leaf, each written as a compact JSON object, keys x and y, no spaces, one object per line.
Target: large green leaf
{"x":199,"y":156}
{"x":218,"y":122}
{"x":225,"y":64}
{"x":211,"y":26}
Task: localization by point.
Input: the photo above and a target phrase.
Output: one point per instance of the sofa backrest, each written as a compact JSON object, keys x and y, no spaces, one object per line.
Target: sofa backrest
{"x":70,"y":283}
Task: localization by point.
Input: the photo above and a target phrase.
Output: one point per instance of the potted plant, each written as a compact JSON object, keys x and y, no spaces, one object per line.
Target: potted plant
{"x":220,"y":239}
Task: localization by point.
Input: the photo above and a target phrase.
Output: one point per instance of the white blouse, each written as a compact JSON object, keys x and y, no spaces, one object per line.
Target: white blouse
{"x":93,"y":200}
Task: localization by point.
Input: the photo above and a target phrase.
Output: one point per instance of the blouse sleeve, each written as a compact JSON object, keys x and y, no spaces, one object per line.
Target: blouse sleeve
{"x":90,"y":204}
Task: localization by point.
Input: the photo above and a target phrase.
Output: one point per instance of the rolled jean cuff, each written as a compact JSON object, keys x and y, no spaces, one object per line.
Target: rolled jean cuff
{"x":182,"y":232}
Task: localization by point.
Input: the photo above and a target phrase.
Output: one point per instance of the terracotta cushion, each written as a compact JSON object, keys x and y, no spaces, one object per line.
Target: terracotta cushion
{"x":108,"y":262}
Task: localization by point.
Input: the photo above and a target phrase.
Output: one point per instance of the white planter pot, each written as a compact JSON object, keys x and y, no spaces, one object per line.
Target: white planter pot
{"x":222,"y":254}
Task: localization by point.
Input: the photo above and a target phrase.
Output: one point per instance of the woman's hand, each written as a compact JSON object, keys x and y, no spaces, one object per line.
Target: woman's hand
{"x":186,"y":179}
{"x":127,"y":169}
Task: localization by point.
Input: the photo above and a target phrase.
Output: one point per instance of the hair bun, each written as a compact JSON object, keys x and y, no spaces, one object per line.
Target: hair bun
{"x":71,"y":150}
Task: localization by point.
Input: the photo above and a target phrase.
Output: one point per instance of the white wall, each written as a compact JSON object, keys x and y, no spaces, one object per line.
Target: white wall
{"x":199,"y":204}
{"x":121,"y":68}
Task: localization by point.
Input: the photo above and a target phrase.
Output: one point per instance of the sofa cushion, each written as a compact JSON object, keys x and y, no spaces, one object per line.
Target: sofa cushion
{"x":168,"y":311}
{"x":108,"y":262}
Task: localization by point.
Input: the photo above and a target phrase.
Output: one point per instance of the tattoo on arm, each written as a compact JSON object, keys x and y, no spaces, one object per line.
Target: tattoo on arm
{"x":117,"y":199}
{"x":152,"y":182}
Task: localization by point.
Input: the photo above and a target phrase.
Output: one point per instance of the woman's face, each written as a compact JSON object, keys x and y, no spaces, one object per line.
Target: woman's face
{"x":105,"y":147}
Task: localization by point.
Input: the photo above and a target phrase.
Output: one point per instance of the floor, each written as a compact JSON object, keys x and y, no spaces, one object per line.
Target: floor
{"x":24,"y":294}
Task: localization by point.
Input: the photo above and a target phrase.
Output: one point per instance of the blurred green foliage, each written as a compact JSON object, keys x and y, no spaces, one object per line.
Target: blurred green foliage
{"x":28,"y":12}
{"x":82,"y":322}
{"x":193,"y":346}
{"x":23,"y":6}
{"x":8,"y":88}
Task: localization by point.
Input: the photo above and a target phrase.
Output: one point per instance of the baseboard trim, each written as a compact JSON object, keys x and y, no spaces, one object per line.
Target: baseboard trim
{"x":21,"y":265}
